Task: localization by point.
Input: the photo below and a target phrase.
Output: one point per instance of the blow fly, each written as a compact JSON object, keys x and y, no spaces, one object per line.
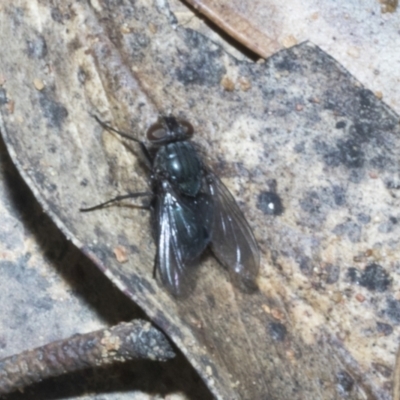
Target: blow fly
{"x":191,"y":209}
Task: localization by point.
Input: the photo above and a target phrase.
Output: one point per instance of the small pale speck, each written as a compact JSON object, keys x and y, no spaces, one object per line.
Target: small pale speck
{"x":337,"y":297}
{"x":244,"y":84}
{"x":353,"y":52}
{"x":10,"y":106}
{"x":266,"y":308}
{"x":228,"y":84}
{"x":360,"y":298}
{"x":277,"y":314}
{"x":291,"y":355}
{"x":373,"y":175}
{"x":152,"y":28}
{"x":289,"y":41}
{"x":125,"y":29}
{"x":38,"y":83}
{"x":96,"y":5}
{"x":121,"y":254}
{"x":52,"y":171}
{"x":377,"y":219}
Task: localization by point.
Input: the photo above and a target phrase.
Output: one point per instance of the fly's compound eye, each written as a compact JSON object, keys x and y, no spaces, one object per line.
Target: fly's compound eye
{"x":157,"y":133}
{"x":187,"y":127}
{"x":169,"y":129}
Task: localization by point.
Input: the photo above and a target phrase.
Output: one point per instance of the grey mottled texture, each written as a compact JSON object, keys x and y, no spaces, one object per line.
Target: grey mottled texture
{"x":304,"y":130}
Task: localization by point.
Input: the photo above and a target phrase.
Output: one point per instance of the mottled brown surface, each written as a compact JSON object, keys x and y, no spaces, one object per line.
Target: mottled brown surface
{"x":323,"y":325}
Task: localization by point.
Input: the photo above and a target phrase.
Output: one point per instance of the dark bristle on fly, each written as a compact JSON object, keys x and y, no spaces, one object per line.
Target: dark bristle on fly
{"x":192,"y":210}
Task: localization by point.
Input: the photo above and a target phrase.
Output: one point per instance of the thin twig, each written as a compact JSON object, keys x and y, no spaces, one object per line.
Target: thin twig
{"x":126,"y":341}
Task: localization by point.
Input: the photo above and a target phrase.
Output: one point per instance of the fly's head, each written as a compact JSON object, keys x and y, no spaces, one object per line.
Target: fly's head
{"x":169,"y":129}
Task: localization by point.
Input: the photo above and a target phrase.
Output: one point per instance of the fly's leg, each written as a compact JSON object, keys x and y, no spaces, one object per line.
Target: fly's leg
{"x":118,"y":198}
{"x":143,"y":147}
{"x":155,"y":266}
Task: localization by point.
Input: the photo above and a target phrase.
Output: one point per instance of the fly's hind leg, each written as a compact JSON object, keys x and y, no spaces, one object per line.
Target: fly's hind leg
{"x":155,"y":266}
{"x":119,"y":198}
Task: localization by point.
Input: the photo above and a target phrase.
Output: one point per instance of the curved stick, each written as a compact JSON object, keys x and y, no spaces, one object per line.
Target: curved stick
{"x":134,"y":340}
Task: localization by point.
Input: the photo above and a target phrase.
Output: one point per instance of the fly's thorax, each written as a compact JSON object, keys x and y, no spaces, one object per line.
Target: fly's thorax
{"x":179,"y":163}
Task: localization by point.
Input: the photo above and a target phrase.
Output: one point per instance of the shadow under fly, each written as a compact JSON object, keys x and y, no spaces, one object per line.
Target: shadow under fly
{"x":191,"y":209}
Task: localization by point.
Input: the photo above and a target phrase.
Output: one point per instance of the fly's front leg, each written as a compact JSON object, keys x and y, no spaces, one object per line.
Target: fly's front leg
{"x":143,"y":148}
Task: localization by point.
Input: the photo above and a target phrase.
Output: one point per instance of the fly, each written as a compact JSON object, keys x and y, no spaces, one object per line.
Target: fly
{"x":191,"y":209}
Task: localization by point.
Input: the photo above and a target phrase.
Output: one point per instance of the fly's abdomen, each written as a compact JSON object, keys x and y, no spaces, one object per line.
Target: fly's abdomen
{"x":180,"y":164}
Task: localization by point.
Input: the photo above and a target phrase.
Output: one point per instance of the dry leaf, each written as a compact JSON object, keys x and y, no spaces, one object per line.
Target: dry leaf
{"x":315,"y":161}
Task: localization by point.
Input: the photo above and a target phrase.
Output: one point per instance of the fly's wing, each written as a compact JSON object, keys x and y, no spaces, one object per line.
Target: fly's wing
{"x":233,"y":241}
{"x":182,"y":235}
